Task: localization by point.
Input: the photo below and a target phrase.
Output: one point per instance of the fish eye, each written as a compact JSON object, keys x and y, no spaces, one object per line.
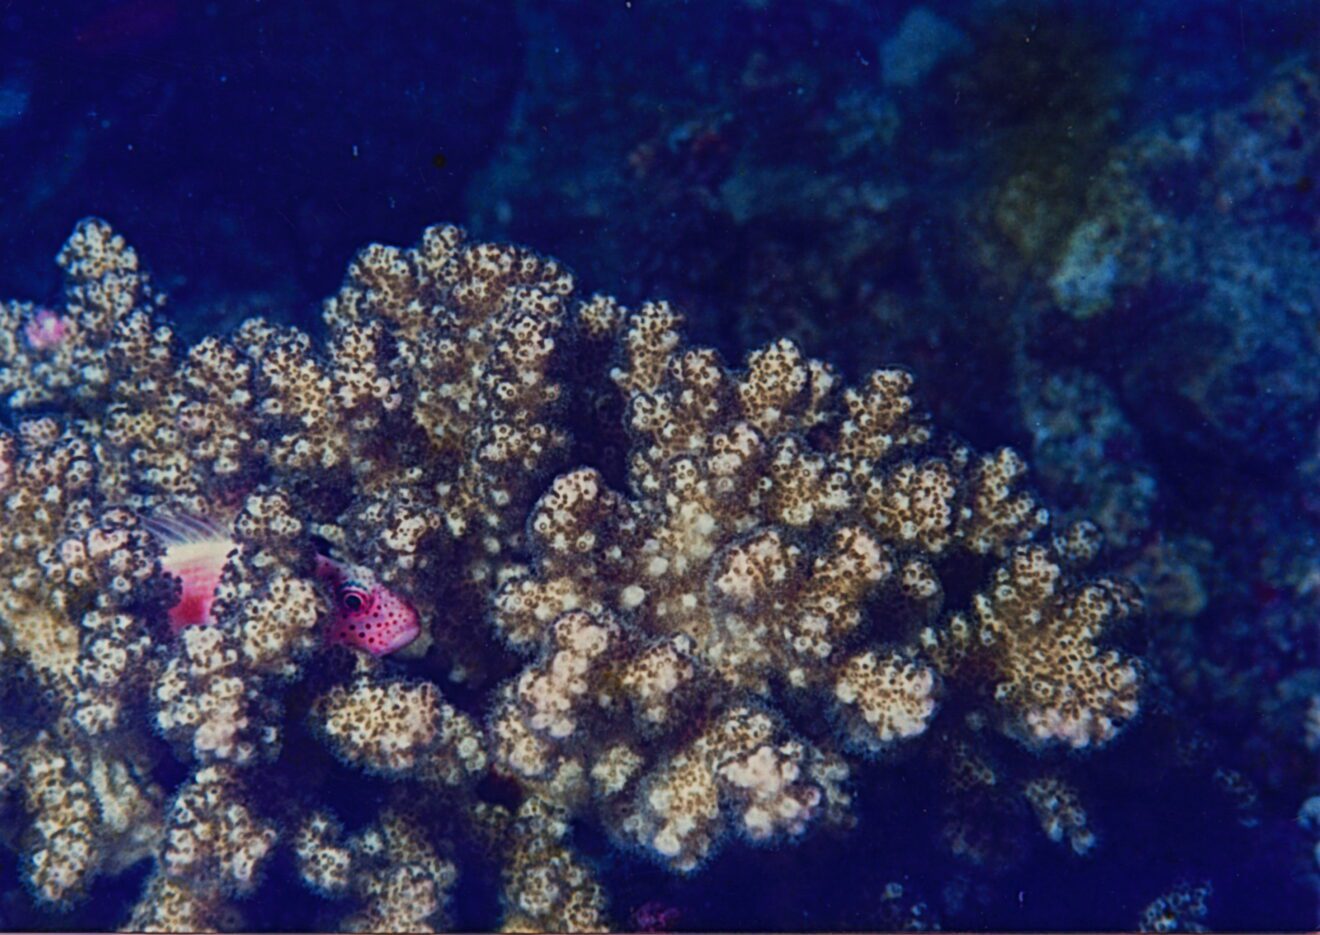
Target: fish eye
{"x":353,"y":600}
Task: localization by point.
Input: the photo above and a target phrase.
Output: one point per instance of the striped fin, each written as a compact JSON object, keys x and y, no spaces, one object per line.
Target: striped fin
{"x":174,"y":529}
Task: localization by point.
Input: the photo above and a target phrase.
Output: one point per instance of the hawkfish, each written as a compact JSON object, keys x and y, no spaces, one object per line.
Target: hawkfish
{"x":367,"y":615}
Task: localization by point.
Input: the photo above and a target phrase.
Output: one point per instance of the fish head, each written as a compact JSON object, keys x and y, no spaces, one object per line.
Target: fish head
{"x":367,"y":615}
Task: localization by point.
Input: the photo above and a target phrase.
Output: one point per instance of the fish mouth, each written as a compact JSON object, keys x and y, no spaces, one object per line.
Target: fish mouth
{"x":402,"y":639}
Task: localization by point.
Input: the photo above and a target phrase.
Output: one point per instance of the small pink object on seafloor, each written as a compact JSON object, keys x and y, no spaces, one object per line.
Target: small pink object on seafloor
{"x":655,"y":916}
{"x":45,"y":330}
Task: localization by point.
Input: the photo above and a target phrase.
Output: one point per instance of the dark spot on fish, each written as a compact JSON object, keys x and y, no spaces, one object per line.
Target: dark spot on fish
{"x":439,"y":160}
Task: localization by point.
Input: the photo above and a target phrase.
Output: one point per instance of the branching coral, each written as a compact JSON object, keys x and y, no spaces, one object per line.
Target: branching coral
{"x":780,"y":544}
{"x":1038,"y":636}
{"x":797,"y":577}
{"x":89,"y":814}
{"x":444,"y":353}
{"x":1181,"y":909}
{"x":105,"y":344}
{"x":399,"y":879}
{"x":400,"y":729}
{"x":211,"y":836}
{"x":1060,"y":813}
{"x":547,"y":888}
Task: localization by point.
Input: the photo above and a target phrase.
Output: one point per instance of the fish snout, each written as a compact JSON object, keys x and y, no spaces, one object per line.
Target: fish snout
{"x":404,"y":625}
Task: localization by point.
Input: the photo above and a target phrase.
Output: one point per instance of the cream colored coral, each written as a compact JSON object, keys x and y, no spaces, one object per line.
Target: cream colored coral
{"x":657,"y":680}
{"x":65,"y":854}
{"x":678,"y":812}
{"x":399,"y":877}
{"x":72,"y":574}
{"x":776,"y":386}
{"x":650,"y":338}
{"x":1181,"y":909}
{"x":615,"y":769}
{"x":108,"y":675}
{"x":792,"y":537}
{"x":110,"y":344}
{"x":169,"y":904}
{"x":998,"y":515}
{"x":324,"y":863}
{"x":271,"y":609}
{"x":743,"y":772}
{"x":1057,"y":686}
{"x":552,"y":691}
{"x":535,"y":726}
{"x":546,"y":887}
{"x":779,"y":545}
{"x":752,"y":570}
{"x":394,"y":872}
{"x":885,"y":698}
{"x":881,"y":420}
{"x":527,"y":607}
{"x":92,"y":811}
{"x":203,"y":700}
{"x":473,"y":328}
{"x":768,"y":779}
{"x":211,"y":834}
{"x":295,"y":399}
{"x":827,"y":610}
{"x":1060,"y":813}
{"x":913,"y":504}
{"x":398,"y":727}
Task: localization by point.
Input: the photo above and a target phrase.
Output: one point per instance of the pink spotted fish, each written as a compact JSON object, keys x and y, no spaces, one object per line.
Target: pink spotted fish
{"x":367,"y":615}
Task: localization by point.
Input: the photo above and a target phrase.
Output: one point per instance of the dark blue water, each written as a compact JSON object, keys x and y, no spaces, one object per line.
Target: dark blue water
{"x":1090,"y":230}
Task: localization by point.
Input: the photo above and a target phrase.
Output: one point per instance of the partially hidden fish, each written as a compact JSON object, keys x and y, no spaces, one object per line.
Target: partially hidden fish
{"x":367,"y":615}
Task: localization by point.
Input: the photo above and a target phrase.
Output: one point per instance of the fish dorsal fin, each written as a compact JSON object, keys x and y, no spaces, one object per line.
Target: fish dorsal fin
{"x":192,"y":545}
{"x":173,"y":529}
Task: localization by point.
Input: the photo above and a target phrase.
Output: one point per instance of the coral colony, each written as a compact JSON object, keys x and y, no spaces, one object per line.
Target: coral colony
{"x":670,"y":599}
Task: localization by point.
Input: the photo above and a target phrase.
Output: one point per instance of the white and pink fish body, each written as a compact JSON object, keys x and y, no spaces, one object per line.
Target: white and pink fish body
{"x":367,"y":615}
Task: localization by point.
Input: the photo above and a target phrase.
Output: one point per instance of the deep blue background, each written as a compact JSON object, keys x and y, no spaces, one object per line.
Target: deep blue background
{"x":247,"y":149}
